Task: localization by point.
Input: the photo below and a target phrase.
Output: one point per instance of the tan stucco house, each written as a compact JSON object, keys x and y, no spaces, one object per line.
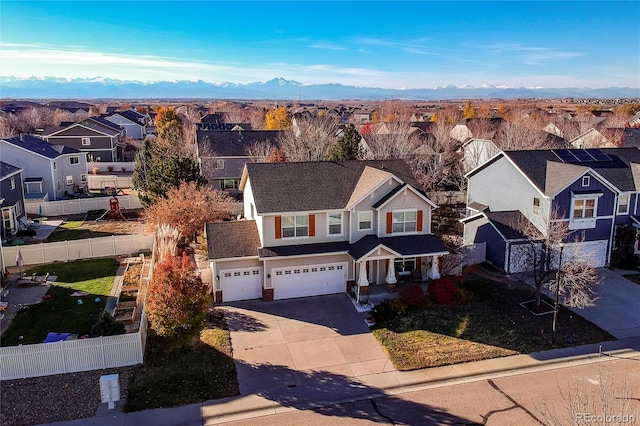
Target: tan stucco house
{"x":316,"y":228}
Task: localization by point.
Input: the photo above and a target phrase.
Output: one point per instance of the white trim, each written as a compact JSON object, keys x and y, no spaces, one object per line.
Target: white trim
{"x":295,"y":226}
{"x":415,"y":191}
{"x":404,"y":222}
{"x":586,"y":180}
{"x":386,"y":180}
{"x":54,"y":134}
{"x":627,"y":194}
{"x":297,"y":256}
{"x":85,"y":141}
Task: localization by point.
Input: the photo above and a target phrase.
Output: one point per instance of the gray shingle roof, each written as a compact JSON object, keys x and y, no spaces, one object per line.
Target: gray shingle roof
{"x":304,"y":249}
{"x":232,"y":239}
{"x":39,"y":146}
{"x":7,"y":169}
{"x":313,"y":186}
{"x":533,"y":164}
{"x":408,"y":245}
{"x":511,"y":224}
{"x":231,"y":143}
{"x":133,"y":116}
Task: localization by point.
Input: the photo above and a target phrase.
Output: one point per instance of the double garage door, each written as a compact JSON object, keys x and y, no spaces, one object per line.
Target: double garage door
{"x":310,"y":280}
{"x":298,"y":281}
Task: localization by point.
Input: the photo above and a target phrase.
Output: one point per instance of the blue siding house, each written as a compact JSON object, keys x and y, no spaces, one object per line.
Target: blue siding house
{"x":11,"y":200}
{"x":593,"y":190}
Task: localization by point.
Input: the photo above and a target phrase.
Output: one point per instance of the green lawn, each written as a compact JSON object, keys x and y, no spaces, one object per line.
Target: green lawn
{"x":72,"y":230}
{"x":492,"y":324}
{"x":60,"y":312}
{"x":173,"y":374}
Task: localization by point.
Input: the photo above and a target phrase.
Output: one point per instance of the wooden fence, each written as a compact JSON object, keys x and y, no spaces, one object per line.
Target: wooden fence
{"x":88,"y":248}
{"x":78,"y":205}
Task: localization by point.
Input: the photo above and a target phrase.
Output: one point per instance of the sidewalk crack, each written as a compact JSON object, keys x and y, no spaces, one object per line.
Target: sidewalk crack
{"x":516,"y":404}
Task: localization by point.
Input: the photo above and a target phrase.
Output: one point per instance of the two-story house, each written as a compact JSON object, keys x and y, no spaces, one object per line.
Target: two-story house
{"x":222,"y":154}
{"x":51,"y":172}
{"x":134,"y":123}
{"x":95,"y":136}
{"x":317,"y":228}
{"x":11,"y":199}
{"x":592,"y":190}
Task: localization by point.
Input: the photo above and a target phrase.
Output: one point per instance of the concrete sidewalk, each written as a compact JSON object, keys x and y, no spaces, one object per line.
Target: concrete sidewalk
{"x":340,"y":389}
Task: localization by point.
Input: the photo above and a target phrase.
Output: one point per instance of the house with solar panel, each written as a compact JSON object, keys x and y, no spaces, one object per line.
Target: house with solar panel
{"x":594,"y":190}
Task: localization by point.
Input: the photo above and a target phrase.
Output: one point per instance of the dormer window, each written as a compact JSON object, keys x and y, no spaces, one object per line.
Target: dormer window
{"x":586,"y":181}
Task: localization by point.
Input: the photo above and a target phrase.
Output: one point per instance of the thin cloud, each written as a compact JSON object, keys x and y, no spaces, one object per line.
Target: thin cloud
{"x":326,"y":46}
{"x":532,"y":55}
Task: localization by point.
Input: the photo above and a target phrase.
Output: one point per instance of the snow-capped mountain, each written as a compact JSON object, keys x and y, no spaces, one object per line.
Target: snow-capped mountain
{"x":278,"y":88}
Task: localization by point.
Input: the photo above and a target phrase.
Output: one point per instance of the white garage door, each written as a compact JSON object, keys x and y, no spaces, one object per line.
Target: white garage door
{"x":310,"y":280}
{"x":241,"y":284}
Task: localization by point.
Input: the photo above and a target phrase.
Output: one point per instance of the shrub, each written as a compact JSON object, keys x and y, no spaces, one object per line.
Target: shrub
{"x":412,"y":295}
{"x":443,"y":289}
{"x":106,"y":326}
{"x":398,"y":307}
{"x":383,"y":312}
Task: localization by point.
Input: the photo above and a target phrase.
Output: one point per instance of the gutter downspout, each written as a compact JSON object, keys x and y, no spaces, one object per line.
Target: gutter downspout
{"x":613,"y":225}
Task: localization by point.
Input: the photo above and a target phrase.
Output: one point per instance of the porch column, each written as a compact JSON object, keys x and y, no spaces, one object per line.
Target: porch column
{"x":434,"y":273}
{"x":391,"y":274}
{"x":363,"y":283}
{"x":362,"y":275}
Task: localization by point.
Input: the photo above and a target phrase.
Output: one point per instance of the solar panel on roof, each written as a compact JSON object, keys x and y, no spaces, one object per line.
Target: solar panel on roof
{"x":582,"y":155}
{"x":598,"y":155}
{"x":565,"y":155}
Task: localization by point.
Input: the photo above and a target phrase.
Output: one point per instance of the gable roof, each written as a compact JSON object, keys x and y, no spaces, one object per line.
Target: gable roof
{"x":314,"y":186}
{"x":41,"y":147}
{"x":232,"y":143}
{"x":7,"y":170}
{"x":511,"y":224}
{"x":98,"y":124}
{"x":534,"y":164}
{"x":238,"y":238}
{"x":131,"y":115}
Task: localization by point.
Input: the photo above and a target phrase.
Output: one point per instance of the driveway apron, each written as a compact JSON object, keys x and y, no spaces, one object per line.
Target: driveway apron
{"x":304,"y":350}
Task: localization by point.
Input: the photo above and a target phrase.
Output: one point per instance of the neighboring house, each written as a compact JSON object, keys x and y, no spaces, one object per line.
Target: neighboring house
{"x":134,"y":123}
{"x":96,"y":136}
{"x":477,"y":151}
{"x":593,"y":190}
{"x":635,"y":120}
{"x":591,"y":139}
{"x":71,"y":106}
{"x":11,"y":200}
{"x":553,"y":130}
{"x":461,"y":132}
{"x":361,"y":116}
{"x":631,"y":137}
{"x":222,"y":154}
{"x":316,"y":228}
{"x":50,"y":171}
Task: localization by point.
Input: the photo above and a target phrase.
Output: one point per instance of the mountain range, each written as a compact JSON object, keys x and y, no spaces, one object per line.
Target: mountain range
{"x":278,"y":89}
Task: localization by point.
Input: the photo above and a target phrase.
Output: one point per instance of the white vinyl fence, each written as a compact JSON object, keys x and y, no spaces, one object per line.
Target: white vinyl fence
{"x":78,"y":205}
{"x":115,"y":245}
{"x":474,"y":254}
{"x":71,"y":356}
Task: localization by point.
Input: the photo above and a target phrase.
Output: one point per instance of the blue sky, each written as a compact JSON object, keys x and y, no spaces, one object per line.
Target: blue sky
{"x":363,"y":43}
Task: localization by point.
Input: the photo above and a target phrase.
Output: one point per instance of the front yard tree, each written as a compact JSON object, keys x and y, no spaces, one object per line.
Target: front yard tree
{"x":348,"y":146}
{"x":189,"y":207}
{"x":177,"y":299}
{"x":310,"y":138}
{"x":157,"y":171}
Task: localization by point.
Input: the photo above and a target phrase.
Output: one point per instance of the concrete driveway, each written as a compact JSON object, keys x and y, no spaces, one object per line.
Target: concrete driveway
{"x":311,"y":348}
{"x":617,"y":309}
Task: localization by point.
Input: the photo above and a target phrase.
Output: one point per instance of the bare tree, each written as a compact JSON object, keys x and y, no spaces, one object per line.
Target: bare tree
{"x":6,"y":129}
{"x":399,"y":142}
{"x":602,"y":400}
{"x":310,"y":139}
{"x":520,"y":133}
{"x":260,"y":151}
